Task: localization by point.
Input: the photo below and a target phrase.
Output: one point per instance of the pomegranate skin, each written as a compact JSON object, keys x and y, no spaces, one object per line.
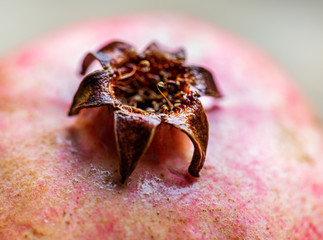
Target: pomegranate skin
{"x":59,"y":176}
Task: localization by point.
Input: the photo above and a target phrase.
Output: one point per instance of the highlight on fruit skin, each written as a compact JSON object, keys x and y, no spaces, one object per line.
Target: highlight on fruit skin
{"x":143,"y":91}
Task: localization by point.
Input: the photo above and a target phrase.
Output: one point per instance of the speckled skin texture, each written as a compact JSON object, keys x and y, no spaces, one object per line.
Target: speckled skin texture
{"x":59,"y":178}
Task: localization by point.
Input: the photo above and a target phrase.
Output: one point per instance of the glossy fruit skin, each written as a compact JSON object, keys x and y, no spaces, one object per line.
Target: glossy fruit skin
{"x":262,"y":175}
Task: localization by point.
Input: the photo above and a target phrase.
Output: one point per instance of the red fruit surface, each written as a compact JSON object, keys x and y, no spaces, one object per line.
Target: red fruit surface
{"x":59,"y":178}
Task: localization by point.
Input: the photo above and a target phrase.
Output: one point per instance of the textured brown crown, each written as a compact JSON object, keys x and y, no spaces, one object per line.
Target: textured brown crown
{"x":145,"y":90}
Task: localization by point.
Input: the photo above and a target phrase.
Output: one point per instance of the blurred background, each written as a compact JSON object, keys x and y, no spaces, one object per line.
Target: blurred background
{"x":290,"y":31}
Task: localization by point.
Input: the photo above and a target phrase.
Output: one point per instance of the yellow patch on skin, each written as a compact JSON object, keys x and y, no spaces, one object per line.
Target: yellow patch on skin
{"x":291,"y":146}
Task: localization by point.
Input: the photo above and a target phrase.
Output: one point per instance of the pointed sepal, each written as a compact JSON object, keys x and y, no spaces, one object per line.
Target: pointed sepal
{"x":134,"y":133}
{"x":204,"y":82}
{"x":92,"y":92}
{"x":162,"y":56}
{"x":192,"y":121}
{"x":114,"y":54}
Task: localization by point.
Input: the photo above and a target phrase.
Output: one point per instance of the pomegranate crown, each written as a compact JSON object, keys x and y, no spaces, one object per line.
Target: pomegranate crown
{"x":144,"y":90}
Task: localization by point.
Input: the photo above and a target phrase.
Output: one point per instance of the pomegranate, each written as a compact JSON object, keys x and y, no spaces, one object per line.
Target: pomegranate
{"x":59,"y":175}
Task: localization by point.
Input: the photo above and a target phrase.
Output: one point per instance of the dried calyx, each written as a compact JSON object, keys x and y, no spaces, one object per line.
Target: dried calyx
{"x":145,"y":90}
